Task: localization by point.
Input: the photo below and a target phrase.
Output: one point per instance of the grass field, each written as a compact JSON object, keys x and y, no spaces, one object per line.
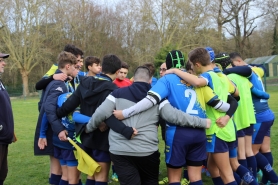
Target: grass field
{"x":27,"y":169}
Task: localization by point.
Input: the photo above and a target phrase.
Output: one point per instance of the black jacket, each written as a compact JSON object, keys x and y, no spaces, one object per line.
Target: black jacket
{"x":6,"y":117}
{"x":90,"y":93}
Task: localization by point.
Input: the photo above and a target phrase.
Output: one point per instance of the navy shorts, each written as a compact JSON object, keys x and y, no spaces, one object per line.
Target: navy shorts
{"x":217,"y":145}
{"x":184,"y":145}
{"x":98,"y":155}
{"x":260,"y":131}
{"x":65,"y":156}
{"x":248,"y":131}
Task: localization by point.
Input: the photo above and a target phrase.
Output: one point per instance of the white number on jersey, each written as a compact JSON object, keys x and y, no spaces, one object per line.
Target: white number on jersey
{"x":192,"y":102}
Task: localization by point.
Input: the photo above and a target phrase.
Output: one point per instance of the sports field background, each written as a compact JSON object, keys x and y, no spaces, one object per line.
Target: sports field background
{"x":27,"y":169}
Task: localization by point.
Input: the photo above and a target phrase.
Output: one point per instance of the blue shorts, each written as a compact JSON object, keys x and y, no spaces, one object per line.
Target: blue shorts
{"x":184,"y":145}
{"x":98,"y":155}
{"x":65,"y":156}
{"x":260,"y":131}
{"x":248,"y":131}
{"x":268,"y":133}
{"x":217,"y":145}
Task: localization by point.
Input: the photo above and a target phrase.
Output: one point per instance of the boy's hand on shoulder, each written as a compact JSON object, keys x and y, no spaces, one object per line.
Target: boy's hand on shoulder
{"x":60,"y":76}
{"x":170,"y":71}
{"x":118,"y":114}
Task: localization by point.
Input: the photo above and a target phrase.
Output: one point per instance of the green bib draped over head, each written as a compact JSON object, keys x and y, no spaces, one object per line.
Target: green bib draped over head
{"x":221,"y":88}
{"x":244,"y":115}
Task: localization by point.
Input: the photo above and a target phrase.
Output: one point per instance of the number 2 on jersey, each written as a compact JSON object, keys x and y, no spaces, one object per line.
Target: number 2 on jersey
{"x":192,"y":102}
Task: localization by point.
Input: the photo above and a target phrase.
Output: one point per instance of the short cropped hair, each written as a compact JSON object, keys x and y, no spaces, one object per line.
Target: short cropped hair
{"x":74,"y":50}
{"x":151,"y":67}
{"x":65,"y":58}
{"x":90,"y":60}
{"x":234,"y":55}
{"x":142,"y":73}
{"x":111,"y":64}
{"x":125,"y":65}
{"x":200,"y":55}
{"x":188,"y":66}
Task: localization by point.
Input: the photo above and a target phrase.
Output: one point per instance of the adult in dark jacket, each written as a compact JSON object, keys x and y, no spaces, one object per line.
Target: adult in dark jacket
{"x":90,"y":93}
{"x":6,"y":124}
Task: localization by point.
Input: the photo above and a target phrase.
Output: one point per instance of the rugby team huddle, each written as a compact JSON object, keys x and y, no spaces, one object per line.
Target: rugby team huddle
{"x":212,"y":109}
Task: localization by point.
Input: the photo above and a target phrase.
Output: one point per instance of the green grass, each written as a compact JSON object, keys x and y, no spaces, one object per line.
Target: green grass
{"x":26,"y":169}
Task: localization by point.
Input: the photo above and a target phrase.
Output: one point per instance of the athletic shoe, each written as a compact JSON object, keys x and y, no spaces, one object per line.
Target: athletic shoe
{"x":163,"y":181}
{"x":184,"y":181}
{"x":114,"y":177}
{"x":204,"y":169}
{"x":259,"y":176}
{"x":207,"y":173}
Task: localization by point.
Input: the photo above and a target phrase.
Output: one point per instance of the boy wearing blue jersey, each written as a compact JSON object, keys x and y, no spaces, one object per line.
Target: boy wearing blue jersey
{"x":221,"y":135}
{"x":182,"y":145}
{"x":66,"y":65}
{"x":264,"y":119}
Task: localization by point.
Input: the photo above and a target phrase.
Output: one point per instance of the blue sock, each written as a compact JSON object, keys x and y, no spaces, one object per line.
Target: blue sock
{"x":217,"y":181}
{"x":101,"y":183}
{"x":237,"y":178}
{"x":243,"y":162}
{"x":246,"y":175}
{"x":55,"y":179}
{"x":90,"y":182}
{"x":185,"y":173}
{"x":266,"y":168}
{"x":80,"y":182}
{"x":269,"y":157}
{"x":232,"y":183}
{"x":252,"y":165}
{"x":175,"y":183}
{"x":63,"y":182}
{"x":200,"y":182}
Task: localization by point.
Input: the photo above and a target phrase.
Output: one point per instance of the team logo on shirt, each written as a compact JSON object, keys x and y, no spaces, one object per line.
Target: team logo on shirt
{"x":59,"y":89}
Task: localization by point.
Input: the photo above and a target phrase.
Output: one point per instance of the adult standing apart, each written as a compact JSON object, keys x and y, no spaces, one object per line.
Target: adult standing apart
{"x":6,"y":124}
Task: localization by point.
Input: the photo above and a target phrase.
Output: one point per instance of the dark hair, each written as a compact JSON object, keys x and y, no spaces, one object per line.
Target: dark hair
{"x":125,"y":65}
{"x":151,"y":67}
{"x":234,"y":55}
{"x":65,"y":58}
{"x":142,"y":73}
{"x":188,"y":66}
{"x":74,"y":50}
{"x":111,"y":64}
{"x":223,"y":59}
{"x":90,"y":60}
{"x":200,"y":55}
{"x":175,"y":59}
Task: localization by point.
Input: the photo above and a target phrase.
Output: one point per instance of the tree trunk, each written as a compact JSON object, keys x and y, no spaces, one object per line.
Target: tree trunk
{"x":24,"y":75}
{"x":275,"y":39}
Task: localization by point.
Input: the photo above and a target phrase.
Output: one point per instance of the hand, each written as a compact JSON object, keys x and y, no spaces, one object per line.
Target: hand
{"x":135,"y":132}
{"x":170,"y":71}
{"x":42,"y":143}
{"x":118,"y":114}
{"x":60,"y":76}
{"x":222,"y":121}
{"x":102,"y":127}
{"x":208,"y":123}
{"x":63,"y":135}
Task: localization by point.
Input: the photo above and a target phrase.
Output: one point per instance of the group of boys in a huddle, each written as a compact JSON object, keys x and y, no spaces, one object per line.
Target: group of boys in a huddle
{"x":219,"y":113}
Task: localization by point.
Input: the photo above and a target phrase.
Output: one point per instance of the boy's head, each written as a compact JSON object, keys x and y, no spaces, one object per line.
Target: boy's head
{"x":199,"y":58}
{"x":162,"y":69}
{"x":188,"y":68}
{"x":151,"y":67}
{"x":142,"y":74}
{"x":67,"y":63}
{"x":223,"y":59}
{"x":175,"y":59}
{"x":76,"y":51}
{"x":236,"y":59}
{"x":93,"y":64}
{"x":111,"y":64}
{"x":123,"y":71}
